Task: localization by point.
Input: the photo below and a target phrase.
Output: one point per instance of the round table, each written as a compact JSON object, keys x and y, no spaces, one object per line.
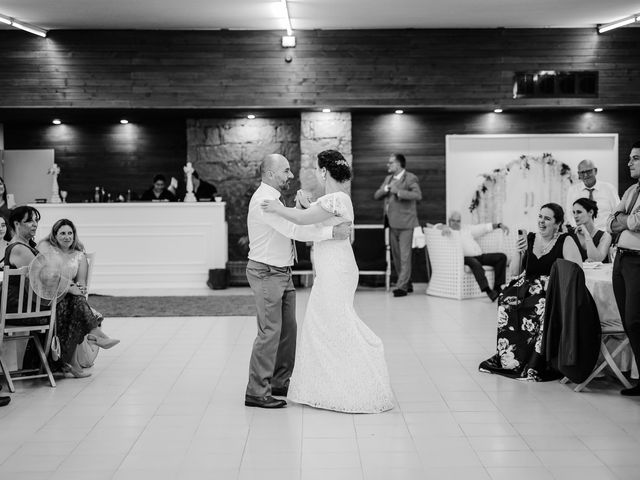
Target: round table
{"x":598,"y":280}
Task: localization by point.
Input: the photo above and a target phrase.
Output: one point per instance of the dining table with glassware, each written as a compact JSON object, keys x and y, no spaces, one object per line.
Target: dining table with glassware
{"x":598,"y":281}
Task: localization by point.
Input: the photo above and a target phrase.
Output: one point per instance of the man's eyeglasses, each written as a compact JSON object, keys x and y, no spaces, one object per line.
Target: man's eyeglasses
{"x":586,"y":173}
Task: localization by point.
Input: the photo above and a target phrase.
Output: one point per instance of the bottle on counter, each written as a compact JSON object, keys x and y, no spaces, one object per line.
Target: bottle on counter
{"x":128,"y":194}
{"x":103,"y":195}
{"x":96,"y":195}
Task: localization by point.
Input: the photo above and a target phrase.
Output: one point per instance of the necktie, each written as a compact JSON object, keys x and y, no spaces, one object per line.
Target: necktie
{"x":634,"y":199}
{"x":293,"y":242}
{"x":590,"y":193}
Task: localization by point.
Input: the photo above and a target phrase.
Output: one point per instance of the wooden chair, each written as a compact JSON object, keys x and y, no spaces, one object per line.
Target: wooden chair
{"x":30,"y":307}
{"x":372,"y":251}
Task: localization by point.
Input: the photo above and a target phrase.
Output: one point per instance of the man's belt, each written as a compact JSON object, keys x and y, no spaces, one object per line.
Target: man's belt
{"x":628,"y":251}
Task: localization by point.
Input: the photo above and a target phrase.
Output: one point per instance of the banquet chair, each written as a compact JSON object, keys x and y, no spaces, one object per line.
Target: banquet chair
{"x":372,"y":251}
{"x":30,"y":307}
{"x":450,"y":277}
{"x":610,"y":328}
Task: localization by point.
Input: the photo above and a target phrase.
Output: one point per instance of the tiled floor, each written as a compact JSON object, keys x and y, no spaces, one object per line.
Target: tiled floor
{"x":167,"y":403}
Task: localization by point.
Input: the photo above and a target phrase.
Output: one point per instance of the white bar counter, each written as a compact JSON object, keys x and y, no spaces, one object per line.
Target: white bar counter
{"x":146,"y":245}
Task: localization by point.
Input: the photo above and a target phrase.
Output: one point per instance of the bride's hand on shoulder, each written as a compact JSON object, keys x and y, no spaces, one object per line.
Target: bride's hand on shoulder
{"x":271,"y":206}
{"x":303,"y":199}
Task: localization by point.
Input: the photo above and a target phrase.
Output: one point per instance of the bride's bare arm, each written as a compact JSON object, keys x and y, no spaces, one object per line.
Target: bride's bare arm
{"x":312,"y":215}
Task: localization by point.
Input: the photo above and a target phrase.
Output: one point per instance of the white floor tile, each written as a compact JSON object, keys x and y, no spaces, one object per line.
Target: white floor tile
{"x":167,"y":403}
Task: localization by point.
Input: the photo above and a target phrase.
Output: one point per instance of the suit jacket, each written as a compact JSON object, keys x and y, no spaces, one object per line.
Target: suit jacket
{"x":400,"y":209}
{"x":571,"y":337}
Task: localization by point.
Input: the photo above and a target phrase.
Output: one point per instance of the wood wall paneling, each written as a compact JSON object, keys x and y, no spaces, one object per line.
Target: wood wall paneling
{"x":347,"y":68}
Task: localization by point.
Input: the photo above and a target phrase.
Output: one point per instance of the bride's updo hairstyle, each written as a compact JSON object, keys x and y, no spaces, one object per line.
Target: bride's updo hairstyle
{"x":335,"y":164}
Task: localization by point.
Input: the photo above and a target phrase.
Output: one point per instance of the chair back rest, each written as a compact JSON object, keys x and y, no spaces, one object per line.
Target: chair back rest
{"x":28,"y":305}
{"x":370,"y":243}
{"x":445,"y":251}
{"x":91,"y":258}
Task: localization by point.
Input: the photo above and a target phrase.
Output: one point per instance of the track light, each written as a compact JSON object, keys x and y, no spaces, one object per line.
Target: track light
{"x":251,"y":116}
{"x":124,"y":121}
{"x":597,"y":109}
{"x":326,"y":110}
{"x":399,"y":112}
{"x":497,"y":110}
{"x":619,"y":23}
{"x":27,"y":27}
{"x":56,"y":121}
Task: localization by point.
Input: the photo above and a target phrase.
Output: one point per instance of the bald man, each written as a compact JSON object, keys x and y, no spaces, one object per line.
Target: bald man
{"x":473,"y":256}
{"x":588,"y":186}
{"x":271,"y":255}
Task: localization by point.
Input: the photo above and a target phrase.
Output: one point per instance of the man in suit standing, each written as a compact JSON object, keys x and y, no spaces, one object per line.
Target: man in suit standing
{"x":400,"y":191}
{"x":271,"y":255}
{"x":625,"y":221}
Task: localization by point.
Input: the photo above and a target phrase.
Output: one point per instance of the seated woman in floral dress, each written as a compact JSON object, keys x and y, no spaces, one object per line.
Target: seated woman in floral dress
{"x":74,"y":316}
{"x":521,"y":304}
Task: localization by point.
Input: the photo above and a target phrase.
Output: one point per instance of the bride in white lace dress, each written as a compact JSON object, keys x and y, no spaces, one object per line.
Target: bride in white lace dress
{"x":339,"y":362}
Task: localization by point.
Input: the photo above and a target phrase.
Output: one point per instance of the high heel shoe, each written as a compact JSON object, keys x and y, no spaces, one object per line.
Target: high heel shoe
{"x":103,"y":342}
{"x":76,"y":372}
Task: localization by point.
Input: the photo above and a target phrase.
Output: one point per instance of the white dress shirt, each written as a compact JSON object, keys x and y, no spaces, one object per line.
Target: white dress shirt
{"x":270,"y":235}
{"x":468,"y":235}
{"x":629,"y":238}
{"x":604,"y":194}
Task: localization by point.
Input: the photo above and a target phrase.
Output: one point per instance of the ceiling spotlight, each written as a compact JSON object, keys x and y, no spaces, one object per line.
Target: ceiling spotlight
{"x":251,"y":116}
{"x":124,"y":121}
{"x":497,"y":110}
{"x":326,"y":110}
{"x":399,"y":112}
{"x":598,"y":110}
{"x":56,"y":121}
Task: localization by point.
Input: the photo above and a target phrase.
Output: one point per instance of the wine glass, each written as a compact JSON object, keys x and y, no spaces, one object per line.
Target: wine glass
{"x":63,"y":195}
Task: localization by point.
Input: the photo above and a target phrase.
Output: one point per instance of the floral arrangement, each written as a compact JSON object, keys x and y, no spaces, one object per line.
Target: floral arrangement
{"x":489,"y":198}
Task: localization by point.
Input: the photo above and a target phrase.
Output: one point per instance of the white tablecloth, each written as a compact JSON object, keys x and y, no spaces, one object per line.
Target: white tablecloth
{"x":598,"y":281}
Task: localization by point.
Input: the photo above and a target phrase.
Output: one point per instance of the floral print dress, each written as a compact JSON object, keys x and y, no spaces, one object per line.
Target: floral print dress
{"x":521,"y":319}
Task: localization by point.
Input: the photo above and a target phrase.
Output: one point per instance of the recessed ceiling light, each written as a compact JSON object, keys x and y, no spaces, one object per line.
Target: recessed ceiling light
{"x":597,"y":110}
{"x":124,"y":121}
{"x":399,"y":112}
{"x":326,"y":110}
{"x":497,"y":110}
{"x":56,"y":121}
{"x":251,"y":116}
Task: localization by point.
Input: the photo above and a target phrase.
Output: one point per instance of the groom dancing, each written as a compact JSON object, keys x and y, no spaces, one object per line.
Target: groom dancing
{"x":271,"y":254}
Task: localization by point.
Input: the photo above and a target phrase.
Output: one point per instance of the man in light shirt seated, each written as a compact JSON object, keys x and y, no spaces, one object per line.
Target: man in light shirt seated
{"x":588,"y":186}
{"x":473,"y":256}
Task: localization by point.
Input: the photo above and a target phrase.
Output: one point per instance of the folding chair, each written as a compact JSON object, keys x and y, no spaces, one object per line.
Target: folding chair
{"x":610,"y":328}
{"x":30,"y":310}
{"x":372,"y":251}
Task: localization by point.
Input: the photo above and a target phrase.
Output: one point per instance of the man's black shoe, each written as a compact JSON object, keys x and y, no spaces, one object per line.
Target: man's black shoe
{"x":492,"y":294}
{"x":279,"y":392}
{"x":398,"y":292}
{"x":4,"y":401}
{"x":263,"y":402}
{"x":631,"y":392}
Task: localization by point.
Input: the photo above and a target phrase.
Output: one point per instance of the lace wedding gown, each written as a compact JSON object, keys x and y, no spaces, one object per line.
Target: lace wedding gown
{"x":340,"y":362}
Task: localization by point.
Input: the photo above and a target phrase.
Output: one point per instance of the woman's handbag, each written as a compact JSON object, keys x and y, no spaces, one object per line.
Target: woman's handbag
{"x":55,"y":345}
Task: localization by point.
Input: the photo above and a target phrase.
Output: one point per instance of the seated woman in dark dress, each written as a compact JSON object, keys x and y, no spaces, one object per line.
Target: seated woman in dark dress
{"x":593,"y":243}
{"x":521,"y":304}
{"x":74,"y":316}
